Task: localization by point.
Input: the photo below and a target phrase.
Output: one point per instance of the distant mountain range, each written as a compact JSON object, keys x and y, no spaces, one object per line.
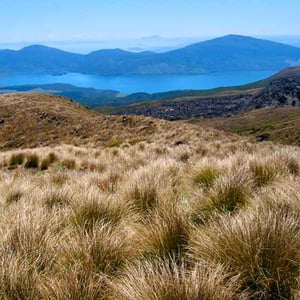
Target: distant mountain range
{"x":229,"y":53}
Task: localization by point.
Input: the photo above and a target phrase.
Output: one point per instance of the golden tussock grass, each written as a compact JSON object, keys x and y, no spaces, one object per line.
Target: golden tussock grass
{"x":171,"y":211}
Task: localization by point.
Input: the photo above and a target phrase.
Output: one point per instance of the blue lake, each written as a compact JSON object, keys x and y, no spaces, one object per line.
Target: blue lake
{"x":140,"y":83}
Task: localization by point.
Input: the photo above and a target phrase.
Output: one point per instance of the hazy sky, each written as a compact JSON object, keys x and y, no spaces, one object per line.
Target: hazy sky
{"x":46,"y":20}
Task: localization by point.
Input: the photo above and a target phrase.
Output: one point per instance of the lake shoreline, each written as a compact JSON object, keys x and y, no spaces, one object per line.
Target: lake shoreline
{"x":130,"y":84}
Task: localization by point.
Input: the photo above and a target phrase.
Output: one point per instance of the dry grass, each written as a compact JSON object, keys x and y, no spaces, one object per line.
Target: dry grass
{"x":165,"y":234}
{"x":96,"y":208}
{"x":260,"y":246}
{"x":164,"y":279}
{"x":16,"y":159}
{"x":279,"y":124}
{"x":181,"y":213}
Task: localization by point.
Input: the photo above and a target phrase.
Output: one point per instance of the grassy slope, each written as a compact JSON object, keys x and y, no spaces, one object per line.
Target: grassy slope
{"x":190,"y":213}
{"x":278,"y":124}
{"x":32,"y":120}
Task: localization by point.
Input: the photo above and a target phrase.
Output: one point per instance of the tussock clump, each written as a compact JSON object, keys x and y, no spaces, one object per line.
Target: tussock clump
{"x":96,"y":209}
{"x":13,"y":196}
{"x":260,"y":246}
{"x":57,"y":197}
{"x":163,"y":279}
{"x":58,"y":178}
{"x":45,"y":164}
{"x":68,"y":163}
{"x":264,"y":171}
{"x":108,"y":182}
{"x":229,"y":192}
{"x":18,"y":279}
{"x":102,"y":250}
{"x":184,"y":157}
{"x":161,"y":150}
{"x":201,"y":150}
{"x":205,"y":176}
{"x":12,"y":193}
{"x":32,"y":161}
{"x":166,"y":233}
{"x":93,"y":166}
{"x":142,"y":146}
{"x":150,"y":186}
{"x":290,"y":161}
{"x":201,"y":209}
{"x":16,"y":159}
{"x":52,"y":157}
{"x":74,"y":283}
{"x":32,"y":242}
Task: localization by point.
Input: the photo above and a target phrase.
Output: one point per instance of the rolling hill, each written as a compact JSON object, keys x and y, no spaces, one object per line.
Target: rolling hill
{"x":229,"y":53}
{"x":36,"y":120}
{"x":31,"y":120}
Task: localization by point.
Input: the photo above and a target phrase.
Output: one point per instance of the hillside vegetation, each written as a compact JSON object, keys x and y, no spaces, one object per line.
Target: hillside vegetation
{"x":31,"y":120}
{"x":280,"y":90}
{"x":277,"y":124}
{"x":178,"y":212}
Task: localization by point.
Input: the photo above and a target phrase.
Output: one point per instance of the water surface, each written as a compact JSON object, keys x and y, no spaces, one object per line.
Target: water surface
{"x":140,"y":83}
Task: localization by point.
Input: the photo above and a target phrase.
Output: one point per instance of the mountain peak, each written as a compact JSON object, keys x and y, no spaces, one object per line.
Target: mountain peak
{"x":228,"y":53}
{"x":35,"y":47}
{"x":234,"y":37}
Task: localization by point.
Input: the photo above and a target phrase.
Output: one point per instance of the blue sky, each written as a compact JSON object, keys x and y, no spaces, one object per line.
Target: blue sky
{"x":58,"y":20}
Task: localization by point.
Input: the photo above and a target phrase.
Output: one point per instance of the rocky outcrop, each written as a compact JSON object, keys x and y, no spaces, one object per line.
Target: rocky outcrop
{"x":196,"y":108}
{"x":280,"y":92}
